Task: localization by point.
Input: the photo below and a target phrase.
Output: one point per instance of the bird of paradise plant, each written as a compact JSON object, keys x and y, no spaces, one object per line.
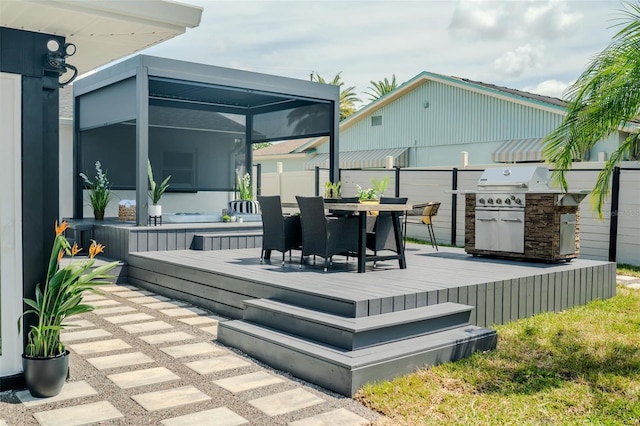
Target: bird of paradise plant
{"x":61,"y":295}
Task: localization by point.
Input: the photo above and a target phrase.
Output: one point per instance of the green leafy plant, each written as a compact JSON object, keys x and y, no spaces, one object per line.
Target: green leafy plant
{"x":378,"y":186}
{"x":226,"y":218}
{"x":61,"y":295}
{"x":99,"y":189}
{"x":366,"y":194}
{"x":332,"y":189}
{"x":156,"y":190}
{"x":245,"y":190}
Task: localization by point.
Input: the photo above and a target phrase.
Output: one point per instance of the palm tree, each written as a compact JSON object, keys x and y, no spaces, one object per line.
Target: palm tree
{"x":381,"y":88}
{"x":605,"y":97}
{"x":348,"y":96}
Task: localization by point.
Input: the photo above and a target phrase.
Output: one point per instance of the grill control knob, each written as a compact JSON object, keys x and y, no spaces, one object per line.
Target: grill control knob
{"x":498,"y":201}
{"x":490,"y":200}
{"x":481,"y":200}
{"x":507,"y":201}
{"x":518,"y":201}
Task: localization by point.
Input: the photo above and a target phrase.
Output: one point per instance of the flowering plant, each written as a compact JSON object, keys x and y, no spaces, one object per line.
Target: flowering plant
{"x":61,"y":295}
{"x":244,"y":186}
{"x":99,"y":189}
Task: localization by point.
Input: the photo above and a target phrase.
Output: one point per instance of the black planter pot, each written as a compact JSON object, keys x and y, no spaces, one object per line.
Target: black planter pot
{"x":45,"y":376}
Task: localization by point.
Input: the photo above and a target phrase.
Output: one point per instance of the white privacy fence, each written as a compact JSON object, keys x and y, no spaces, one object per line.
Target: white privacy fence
{"x":422,"y":185}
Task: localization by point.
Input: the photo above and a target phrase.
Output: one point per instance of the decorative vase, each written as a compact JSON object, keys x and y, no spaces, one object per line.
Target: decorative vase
{"x":98,"y":214}
{"x":371,"y":212}
{"x":45,"y":376}
{"x":155,"y":210}
{"x":244,"y":206}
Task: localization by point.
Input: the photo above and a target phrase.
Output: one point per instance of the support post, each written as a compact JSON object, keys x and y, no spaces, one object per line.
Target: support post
{"x":613,"y":221}
{"x":454,"y":205}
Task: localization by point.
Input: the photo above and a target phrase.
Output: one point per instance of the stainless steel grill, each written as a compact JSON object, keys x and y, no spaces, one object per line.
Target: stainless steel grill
{"x":514,"y":213}
{"x":500,"y":206}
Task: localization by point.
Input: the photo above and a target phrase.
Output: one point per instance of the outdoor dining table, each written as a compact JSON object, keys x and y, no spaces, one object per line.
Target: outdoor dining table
{"x":362,"y":210}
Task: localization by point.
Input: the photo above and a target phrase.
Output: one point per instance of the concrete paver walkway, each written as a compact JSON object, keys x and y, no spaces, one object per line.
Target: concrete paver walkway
{"x":141,"y":358}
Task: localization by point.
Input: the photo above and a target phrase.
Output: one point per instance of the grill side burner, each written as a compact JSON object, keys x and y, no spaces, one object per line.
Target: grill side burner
{"x":515,"y":214}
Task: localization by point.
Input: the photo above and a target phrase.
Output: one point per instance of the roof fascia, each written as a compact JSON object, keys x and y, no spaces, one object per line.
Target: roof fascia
{"x":166,"y":14}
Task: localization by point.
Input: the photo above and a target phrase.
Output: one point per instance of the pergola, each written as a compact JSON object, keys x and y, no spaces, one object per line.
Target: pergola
{"x":196,"y":122}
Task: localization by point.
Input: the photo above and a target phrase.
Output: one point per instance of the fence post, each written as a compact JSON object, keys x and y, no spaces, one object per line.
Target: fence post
{"x":454,"y":205}
{"x":397,"y":182}
{"x":258,"y":179}
{"x":317,"y":176}
{"x":613,"y":222}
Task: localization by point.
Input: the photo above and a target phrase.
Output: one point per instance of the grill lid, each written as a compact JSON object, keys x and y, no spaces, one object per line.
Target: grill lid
{"x":533,"y":178}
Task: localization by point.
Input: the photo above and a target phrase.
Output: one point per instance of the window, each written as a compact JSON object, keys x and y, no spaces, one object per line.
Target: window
{"x":376,"y":120}
{"x":180,"y":166}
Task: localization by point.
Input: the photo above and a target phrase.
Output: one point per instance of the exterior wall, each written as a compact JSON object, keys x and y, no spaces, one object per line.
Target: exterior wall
{"x":454,"y":116}
{"x":289,"y":164}
{"x":10,"y":223}
{"x":437,"y":122}
{"x":22,"y":53}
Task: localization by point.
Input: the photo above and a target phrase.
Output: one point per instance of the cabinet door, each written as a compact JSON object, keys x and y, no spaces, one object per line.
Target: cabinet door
{"x":511,"y":231}
{"x":487,"y":230}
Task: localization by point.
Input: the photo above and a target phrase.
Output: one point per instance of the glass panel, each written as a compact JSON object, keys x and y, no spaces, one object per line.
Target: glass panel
{"x":310,"y":120}
{"x":200,"y":150}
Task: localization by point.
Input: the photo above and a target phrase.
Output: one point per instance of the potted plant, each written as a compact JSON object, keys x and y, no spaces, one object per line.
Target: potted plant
{"x":245,"y":191}
{"x":372,"y":195}
{"x":226,"y":218}
{"x":332,"y":189}
{"x":155,"y":192}
{"x":45,"y":360}
{"x":99,"y":191}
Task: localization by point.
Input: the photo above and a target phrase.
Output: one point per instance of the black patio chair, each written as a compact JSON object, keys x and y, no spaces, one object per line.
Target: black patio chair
{"x":380,"y":234}
{"x":325,"y":236}
{"x":279,"y":232}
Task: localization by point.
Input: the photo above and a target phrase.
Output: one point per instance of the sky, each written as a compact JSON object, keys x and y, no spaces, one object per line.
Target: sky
{"x":536,"y":46}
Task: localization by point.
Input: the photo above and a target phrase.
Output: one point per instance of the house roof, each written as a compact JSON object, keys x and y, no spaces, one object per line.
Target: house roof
{"x":518,"y":96}
{"x":102,"y":30}
{"x":281,"y":148}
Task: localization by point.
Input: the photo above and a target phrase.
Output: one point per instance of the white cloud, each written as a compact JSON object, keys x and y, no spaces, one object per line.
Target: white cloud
{"x":553,"y":88}
{"x":519,"y":61}
{"x":545,"y":20}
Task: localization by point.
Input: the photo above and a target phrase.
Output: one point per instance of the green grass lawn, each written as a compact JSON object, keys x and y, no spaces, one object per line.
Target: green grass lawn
{"x":581,"y":366}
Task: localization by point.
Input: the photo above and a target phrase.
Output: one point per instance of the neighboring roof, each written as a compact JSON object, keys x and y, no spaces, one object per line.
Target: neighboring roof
{"x":530,"y":99}
{"x":281,"y":148}
{"x":102,"y":30}
{"x":362,"y":159}
{"x":533,"y":96}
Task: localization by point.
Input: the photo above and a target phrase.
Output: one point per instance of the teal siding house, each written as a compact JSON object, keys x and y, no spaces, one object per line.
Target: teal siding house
{"x":435,"y":120}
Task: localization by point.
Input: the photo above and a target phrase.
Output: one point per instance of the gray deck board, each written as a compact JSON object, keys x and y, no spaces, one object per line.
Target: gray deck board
{"x":501,"y":290}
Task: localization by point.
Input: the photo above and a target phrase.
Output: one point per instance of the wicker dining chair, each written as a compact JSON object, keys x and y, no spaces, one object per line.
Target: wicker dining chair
{"x":426,"y":212}
{"x":279,"y":232}
{"x":380,"y":234}
{"x":325,"y":236}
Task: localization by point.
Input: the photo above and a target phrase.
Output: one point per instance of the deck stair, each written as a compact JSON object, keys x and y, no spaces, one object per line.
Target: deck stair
{"x":227,"y":240}
{"x":342,"y":353}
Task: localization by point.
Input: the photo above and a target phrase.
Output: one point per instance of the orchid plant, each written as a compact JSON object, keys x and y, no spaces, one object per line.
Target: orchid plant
{"x":99,"y":189}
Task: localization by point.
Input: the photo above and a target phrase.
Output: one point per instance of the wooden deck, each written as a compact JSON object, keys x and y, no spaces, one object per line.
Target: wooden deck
{"x":500,"y":290}
{"x":341,"y":329}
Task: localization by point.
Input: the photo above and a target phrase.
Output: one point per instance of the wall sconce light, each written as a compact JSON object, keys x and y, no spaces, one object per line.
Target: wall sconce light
{"x":55,"y":60}
{"x":425,"y":104}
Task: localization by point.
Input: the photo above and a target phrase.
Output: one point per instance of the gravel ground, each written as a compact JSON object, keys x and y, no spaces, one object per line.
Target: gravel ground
{"x":13,"y":412}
